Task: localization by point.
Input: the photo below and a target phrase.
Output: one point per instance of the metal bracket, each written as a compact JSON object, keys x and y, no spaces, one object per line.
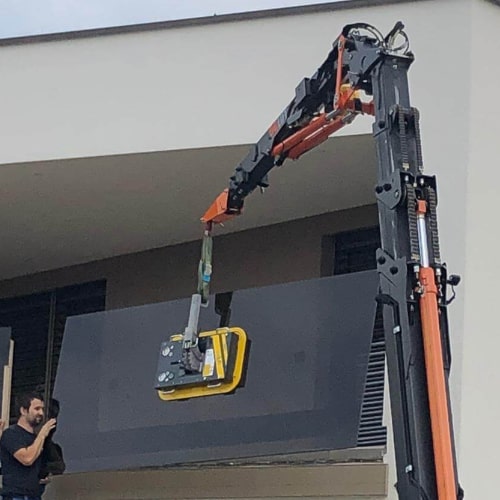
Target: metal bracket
{"x":391,"y":193}
{"x":190,"y":336}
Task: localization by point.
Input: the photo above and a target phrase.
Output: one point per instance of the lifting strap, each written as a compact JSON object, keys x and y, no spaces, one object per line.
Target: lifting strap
{"x":205,"y":265}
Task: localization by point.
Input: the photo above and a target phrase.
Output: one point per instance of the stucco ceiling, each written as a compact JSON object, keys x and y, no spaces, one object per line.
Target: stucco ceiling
{"x":60,"y":213}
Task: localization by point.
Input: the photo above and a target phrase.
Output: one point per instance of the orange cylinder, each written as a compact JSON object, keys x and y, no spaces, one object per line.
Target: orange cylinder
{"x":436,"y":388}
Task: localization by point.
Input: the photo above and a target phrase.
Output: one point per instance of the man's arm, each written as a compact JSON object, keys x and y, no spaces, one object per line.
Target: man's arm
{"x":27,"y":456}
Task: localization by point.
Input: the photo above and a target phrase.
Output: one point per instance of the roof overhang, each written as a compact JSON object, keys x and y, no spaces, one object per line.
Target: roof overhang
{"x":66,"y":212}
{"x":241,"y":16}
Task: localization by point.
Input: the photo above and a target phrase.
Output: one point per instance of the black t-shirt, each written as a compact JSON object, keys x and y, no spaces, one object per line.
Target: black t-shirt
{"x":18,"y":479}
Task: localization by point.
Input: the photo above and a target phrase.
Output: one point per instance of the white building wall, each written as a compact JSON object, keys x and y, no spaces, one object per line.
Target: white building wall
{"x":480,"y":380}
{"x":189,"y":87}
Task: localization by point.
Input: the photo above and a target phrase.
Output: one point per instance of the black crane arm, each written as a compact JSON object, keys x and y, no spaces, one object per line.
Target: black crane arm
{"x":323,"y":104}
{"x":413,"y":279}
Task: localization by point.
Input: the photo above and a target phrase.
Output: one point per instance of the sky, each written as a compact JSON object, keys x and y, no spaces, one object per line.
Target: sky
{"x":33,"y":17}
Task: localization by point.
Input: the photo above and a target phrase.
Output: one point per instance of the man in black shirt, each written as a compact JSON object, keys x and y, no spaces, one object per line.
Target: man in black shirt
{"x":20,"y":450}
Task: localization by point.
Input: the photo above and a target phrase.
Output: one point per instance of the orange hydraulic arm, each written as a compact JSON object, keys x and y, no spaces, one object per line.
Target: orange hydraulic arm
{"x":436,"y":381}
{"x":413,"y":279}
{"x":312,"y":134}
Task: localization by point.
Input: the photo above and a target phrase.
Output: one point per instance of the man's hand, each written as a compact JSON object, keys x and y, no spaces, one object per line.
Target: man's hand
{"x":45,"y":480}
{"x":47,"y":427}
{"x":27,"y":456}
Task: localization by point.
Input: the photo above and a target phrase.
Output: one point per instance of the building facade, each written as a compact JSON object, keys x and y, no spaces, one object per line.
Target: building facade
{"x":115,"y":141}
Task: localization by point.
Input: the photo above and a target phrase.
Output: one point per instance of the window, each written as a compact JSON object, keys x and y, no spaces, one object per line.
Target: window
{"x":350,"y":251}
{"x":37,"y":322}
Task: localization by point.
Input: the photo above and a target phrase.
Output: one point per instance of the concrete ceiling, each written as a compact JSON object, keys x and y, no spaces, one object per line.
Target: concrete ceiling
{"x":65,"y":212}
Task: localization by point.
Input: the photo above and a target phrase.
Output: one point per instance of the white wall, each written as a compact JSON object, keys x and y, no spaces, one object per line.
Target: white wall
{"x":197,"y":86}
{"x":480,"y":440}
{"x":187,"y":87}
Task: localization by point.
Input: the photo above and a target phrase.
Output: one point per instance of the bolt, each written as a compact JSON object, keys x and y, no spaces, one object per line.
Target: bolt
{"x":381,"y":260}
{"x":396,"y":193}
{"x":393,"y":270}
{"x":162,"y":377}
{"x":165,"y":351}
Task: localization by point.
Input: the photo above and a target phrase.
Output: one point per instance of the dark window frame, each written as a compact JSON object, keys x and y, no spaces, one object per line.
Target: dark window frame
{"x":37,"y":323}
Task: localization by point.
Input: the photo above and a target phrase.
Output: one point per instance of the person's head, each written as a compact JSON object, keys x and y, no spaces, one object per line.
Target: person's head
{"x":30,"y":408}
{"x":53,"y":412}
{"x":54,"y":408}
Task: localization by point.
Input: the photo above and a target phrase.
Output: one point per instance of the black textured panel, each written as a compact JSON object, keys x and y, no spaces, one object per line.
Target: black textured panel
{"x":372,"y":432}
{"x":303,"y":392}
